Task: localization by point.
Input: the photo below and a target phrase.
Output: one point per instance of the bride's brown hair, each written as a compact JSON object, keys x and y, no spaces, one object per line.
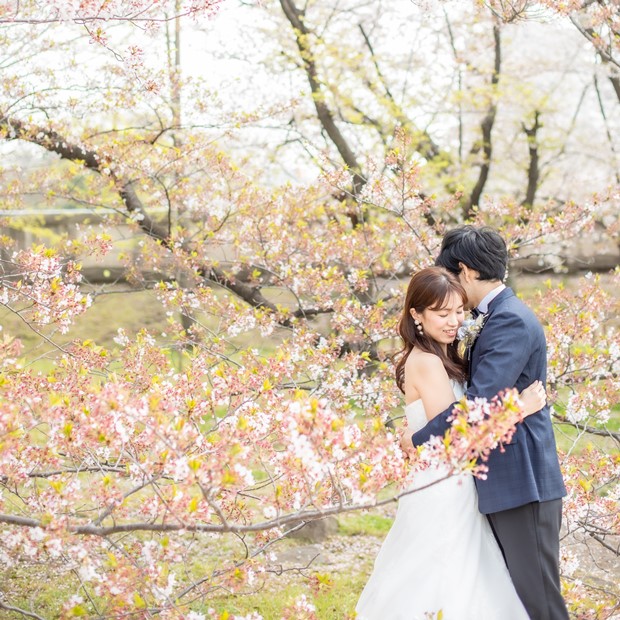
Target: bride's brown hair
{"x":429,"y":288}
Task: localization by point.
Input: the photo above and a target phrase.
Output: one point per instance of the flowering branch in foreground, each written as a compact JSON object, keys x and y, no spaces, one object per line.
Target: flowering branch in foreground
{"x":87,"y":466}
{"x":476,"y":428}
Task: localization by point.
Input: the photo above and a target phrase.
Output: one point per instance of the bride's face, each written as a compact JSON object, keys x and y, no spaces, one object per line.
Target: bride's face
{"x":441,"y":324}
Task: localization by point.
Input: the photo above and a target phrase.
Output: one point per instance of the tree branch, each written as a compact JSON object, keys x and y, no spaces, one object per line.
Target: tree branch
{"x":55,"y":143}
{"x":459,"y":81}
{"x":298,"y":518}
{"x":23,"y":612}
{"x":588,"y":429}
{"x":424,"y":144}
{"x":487,"y":127}
{"x":607,"y":130}
{"x":326,"y":117}
{"x":605,"y":55}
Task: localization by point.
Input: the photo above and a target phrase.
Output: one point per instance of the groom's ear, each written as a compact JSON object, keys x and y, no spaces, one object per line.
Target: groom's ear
{"x":469,"y":275}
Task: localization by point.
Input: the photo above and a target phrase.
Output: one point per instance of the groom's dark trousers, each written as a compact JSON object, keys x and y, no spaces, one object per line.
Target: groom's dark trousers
{"x":529,"y":539}
{"x":523,"y":489}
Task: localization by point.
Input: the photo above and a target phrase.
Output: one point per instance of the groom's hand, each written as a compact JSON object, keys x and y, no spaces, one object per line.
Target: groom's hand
{"x":405,"y":441}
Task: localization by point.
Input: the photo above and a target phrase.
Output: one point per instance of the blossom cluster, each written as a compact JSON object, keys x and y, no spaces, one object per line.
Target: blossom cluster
{"x":44,"y":288}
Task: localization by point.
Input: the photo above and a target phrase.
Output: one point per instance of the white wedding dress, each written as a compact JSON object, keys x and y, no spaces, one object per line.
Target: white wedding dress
{"x":439,"y":559}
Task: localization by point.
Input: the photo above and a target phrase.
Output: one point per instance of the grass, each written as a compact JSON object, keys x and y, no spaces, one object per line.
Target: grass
{"x":332,"y":590}
{"x":364,"y":524}
{"x":334,"y":597}
{"x":42,"y":588}
{"x":39,"y":588}
{"x":111,"y":310}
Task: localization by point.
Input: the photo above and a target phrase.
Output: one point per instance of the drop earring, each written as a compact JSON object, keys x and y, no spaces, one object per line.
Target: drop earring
{"x":419,"y":327}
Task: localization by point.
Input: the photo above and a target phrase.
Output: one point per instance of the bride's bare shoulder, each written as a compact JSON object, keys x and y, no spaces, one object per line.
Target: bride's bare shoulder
{"x":421,"y":368}
{"x":422,"y":362}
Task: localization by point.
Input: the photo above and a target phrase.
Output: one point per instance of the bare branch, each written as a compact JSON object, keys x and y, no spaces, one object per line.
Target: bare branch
{"x":605,"y":54}
{"x":589,"y":429}
{"x":302,"y":37}
{"x":135,"y":18}
{"x":607,"y":129}
{"x":487,"y":127}
{"x":297,"y":519}
{"x":23,"y":612}
{"x":423,"y":143}
{"x":459,"y":82}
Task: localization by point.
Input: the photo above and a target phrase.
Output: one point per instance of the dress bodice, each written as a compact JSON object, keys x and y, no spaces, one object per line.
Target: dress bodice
{"x":416,"y":415}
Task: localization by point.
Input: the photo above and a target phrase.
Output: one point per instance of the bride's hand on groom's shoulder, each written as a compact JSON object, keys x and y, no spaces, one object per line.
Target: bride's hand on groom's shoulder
{"x":533,"y":398}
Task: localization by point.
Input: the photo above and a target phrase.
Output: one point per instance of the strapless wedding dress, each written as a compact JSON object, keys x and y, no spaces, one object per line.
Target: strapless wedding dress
{"x":440,"y":558}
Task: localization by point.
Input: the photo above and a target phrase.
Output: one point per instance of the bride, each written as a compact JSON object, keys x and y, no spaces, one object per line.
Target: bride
{"x":440,"y":559}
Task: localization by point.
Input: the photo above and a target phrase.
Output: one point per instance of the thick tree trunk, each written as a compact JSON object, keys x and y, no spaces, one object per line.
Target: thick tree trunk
{"x":533,"y":171}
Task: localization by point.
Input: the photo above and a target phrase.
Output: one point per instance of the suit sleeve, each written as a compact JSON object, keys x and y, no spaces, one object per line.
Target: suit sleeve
{"x":437,"y":426}
{"x":504,"y":349}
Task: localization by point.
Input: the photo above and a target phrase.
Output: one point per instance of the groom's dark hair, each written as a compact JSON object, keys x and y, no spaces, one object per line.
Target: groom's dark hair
{"x":480,"y":248}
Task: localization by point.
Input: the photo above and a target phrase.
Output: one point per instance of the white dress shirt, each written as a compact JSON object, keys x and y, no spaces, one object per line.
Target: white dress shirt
{"x":483,"y":306}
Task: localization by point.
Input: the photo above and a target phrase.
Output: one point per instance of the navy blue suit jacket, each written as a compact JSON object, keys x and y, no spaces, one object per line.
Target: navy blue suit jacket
{"x":510,"y":351}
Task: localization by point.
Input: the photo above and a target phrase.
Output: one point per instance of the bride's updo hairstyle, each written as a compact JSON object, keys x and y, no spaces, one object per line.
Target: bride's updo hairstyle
{"x":429,"y":288}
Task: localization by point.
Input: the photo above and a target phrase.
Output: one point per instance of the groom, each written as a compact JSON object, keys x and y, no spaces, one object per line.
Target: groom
{"x":522,"y":493}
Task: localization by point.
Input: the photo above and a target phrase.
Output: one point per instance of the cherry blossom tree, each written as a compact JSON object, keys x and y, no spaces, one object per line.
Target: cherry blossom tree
{"x":269,"y":399}
{"x":596,"y":20}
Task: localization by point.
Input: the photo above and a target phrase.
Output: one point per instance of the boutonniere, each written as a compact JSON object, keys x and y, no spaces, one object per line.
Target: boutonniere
{"x":468,"y":332}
